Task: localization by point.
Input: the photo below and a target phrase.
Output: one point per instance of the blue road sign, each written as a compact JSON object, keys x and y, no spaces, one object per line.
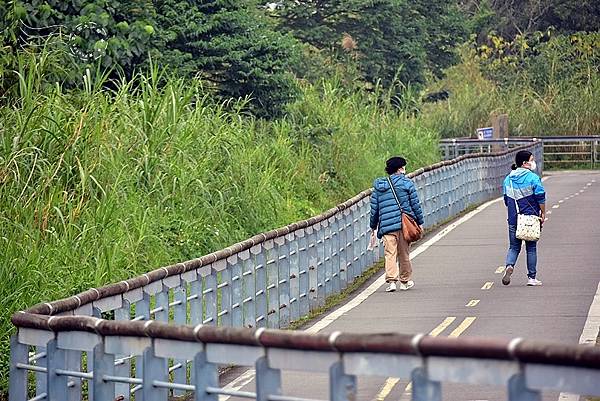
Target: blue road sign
{"x":485,"y":133}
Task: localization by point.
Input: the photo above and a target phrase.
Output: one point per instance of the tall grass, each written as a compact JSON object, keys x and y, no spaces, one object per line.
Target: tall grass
{"x":562,"y":107}
{"x":101,"y":185}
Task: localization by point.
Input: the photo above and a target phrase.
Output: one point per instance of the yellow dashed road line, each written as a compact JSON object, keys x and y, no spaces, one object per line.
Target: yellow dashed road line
{"x":463,"y":326}
{"x":472,"y":302}
{"x":390,"y":382}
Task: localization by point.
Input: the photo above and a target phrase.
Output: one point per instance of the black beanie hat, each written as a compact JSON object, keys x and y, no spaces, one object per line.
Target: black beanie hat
{"x":394,"y":163}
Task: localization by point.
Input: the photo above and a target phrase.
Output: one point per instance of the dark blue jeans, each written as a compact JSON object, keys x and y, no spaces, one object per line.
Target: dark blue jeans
{"x":514,"y":249}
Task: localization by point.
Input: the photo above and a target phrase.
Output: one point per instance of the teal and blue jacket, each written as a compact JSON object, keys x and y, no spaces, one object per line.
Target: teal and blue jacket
{"x":385,"y":214}
{"x":524,"y":187}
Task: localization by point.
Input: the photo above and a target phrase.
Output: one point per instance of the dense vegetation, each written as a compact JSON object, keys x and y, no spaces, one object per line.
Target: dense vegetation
{"x":549,"y":84}
{"x":138,"y":133}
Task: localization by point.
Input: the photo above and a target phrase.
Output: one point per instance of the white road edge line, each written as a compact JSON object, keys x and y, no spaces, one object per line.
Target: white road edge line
{"x":248,"y":375}
{"x":588,"y":335}
{"x":237,"y":383}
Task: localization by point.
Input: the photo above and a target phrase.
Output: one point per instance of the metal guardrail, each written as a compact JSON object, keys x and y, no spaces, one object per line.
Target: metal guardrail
{"x":559,"y":151}
{"x":266,"y":281}
{"x":524,"y":367}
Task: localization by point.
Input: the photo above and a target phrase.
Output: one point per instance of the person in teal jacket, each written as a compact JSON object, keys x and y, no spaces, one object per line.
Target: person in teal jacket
{"x":523,"y":188}
{"x":386,"y":219}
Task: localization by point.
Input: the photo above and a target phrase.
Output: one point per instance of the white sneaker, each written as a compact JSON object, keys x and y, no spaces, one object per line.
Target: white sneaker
{"x":391,"y":287}
{"x":407,"y":286}
{"x":507,"y":273}
{"x":533,"y":282}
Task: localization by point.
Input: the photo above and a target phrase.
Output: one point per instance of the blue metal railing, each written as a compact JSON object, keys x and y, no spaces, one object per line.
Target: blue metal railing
{"x":525,"y":368}
{"x":559,"y":151}
{"x":267,"y":281}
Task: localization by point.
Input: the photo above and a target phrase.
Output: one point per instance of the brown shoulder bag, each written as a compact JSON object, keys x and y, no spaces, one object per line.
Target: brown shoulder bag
{"x":411,"y":231}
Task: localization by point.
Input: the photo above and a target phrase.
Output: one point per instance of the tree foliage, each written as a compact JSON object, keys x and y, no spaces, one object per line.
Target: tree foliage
{"x":542,"y":59}
{"x":393,"y":41}
{"x":508,"y":18}
{"x":231,"y":46}
{"x":114,"y":32}
{"x":226,"y":42}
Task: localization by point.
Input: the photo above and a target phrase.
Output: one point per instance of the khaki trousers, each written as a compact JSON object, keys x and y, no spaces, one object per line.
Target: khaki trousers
{"x":397,"y":251}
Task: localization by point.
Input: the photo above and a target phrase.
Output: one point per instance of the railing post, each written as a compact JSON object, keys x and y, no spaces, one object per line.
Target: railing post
{"x":17,"y":387}
{"x":162,"y":301}
{"x":205,"y":375}
{"x":154,"y":369}
{"x":345,"y":275}
{"x":283,"y":288}
{"x":224,"y":292}
{"x":364,"y":240}
{"x":261,"y":284}
{"x":268,"y":380}
{"x":424,"y":389}
{"x":272,"y":285}
{"x":196,"y":300}
{"x":352,"y":270}
{"x":355,"y":217}
{"x":313,"y":282}
{"x":41,"y":379}
{"x":320,"y":245}
{"x":57,"y":384}
{"x":74,"y":363}
{"x":142,"y":309}
{"x":180,"y":294}
{"x":342,"y":387}
{"x":335,"y":255}
{"x":248,"y":289}
{"x":327,"y":265}
{"x":180,"y":317}
{"x":517,"y":390}
{"x":294,"y":288}
{"x":124,"y":368}
{"x":303,"y":271}
{"x":210,"y":294}
{"x":104,"y":364}
{"x":237,"y":313}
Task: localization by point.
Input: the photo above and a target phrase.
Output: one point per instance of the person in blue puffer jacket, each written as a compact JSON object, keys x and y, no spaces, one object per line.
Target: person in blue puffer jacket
{"x":524,"y":188}
{"x":386,"y":219}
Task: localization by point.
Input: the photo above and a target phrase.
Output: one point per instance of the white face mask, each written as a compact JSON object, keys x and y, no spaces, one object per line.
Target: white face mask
{"x":532,"y":165}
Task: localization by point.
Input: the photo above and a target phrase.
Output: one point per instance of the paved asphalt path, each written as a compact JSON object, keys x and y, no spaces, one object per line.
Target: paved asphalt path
{"x":453,"y":273}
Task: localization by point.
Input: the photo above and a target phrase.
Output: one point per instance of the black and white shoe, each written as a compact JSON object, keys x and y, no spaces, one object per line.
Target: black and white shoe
{"x":507,"y":273}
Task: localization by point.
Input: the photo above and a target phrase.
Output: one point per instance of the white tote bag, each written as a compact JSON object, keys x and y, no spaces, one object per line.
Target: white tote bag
{"x":529,"y":227}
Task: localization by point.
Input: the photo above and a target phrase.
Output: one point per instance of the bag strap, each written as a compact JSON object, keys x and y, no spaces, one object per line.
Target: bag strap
{"x":513,"y":191}
{"x":516,"y":202}
{"x":395,"y":196}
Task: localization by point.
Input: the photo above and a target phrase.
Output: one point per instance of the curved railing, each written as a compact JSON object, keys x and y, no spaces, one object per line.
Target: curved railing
{"x":266,"y":281}
{"x":525,"y":367}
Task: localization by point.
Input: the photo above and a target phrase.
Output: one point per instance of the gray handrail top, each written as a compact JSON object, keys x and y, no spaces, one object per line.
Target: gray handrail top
{"x":95,"y":294}
{"x":523,"y":351}
{"x":521,"y":139}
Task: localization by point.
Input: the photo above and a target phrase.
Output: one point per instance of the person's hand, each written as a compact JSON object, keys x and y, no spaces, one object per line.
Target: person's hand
{"x":542,"y":217}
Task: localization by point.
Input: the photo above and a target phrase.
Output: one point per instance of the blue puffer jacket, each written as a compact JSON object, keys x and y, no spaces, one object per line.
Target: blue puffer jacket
{"x":385,"y":215}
